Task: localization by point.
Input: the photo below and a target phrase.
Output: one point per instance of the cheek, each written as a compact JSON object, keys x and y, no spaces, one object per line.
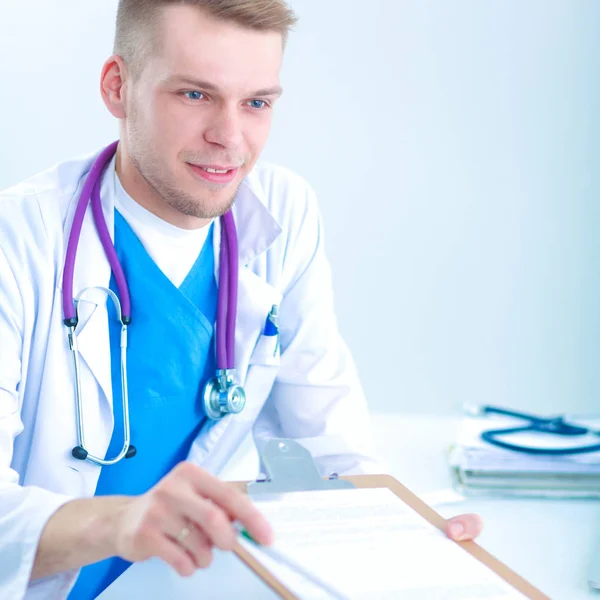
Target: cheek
{"x":166,"y":135}
{"x":167,"y":121}
{"x":187,"y":127}
{"x":257,"y":134}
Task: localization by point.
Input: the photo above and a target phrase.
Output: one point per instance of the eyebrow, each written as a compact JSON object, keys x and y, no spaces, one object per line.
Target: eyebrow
{"x":210,"y":87}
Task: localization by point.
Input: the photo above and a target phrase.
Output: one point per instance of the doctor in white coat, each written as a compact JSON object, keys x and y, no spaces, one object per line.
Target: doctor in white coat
{"x":193,"y":85}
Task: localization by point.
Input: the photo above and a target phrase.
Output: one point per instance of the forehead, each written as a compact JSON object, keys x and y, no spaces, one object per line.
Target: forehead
{"x":232,"y":57}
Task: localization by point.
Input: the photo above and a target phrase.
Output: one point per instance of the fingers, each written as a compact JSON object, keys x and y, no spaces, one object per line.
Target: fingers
{"x":199,"y":546}
{"x":236,"y":505}
{"x":196,"y":544}
{"x":464,"y":527}
{"x":210,"y":518}
{"x":184,"y":516}
{"x":172,"y":553}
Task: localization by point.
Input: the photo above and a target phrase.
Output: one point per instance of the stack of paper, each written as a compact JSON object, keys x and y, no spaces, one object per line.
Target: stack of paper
{"x":478,"y":467}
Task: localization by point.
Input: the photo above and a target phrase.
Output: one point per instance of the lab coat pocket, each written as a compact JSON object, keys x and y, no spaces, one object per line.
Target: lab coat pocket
{"x":266,"y":351}
{"x":263,"y":367}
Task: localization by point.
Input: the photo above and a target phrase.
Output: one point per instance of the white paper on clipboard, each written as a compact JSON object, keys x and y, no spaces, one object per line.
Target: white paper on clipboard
{"x":369,"y":545}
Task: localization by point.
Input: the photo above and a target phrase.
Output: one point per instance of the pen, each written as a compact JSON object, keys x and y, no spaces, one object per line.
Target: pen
{"x":282,"y":559}
{"x":272,"y":326}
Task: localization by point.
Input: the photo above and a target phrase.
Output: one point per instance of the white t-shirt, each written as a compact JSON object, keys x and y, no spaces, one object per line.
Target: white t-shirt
{"x":174,"y":250}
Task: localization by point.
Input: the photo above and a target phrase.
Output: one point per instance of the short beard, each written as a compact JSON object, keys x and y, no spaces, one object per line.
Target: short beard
{"x":151,"y":169}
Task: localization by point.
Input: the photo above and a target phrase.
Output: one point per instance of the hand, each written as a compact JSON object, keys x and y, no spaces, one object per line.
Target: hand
{"x":182,"y":518}
{"x":464,"y":527}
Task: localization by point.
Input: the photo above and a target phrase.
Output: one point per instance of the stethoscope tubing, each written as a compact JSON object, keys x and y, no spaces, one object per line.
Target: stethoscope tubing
{"x":547,"y":425}
{"x":221,"y":394}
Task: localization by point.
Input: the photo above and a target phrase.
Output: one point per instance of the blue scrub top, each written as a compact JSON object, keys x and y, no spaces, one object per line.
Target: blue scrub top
{"x":169,"y":359}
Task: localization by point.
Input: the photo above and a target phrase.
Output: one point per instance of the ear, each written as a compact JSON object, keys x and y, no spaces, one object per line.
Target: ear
{"x":113,"y":86}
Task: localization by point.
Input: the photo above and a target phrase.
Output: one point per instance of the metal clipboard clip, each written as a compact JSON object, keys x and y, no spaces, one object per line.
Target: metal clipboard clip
{"x":291,"y":468}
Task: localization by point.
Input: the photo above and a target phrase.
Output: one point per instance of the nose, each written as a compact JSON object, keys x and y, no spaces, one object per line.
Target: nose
{"x":225,"y":128}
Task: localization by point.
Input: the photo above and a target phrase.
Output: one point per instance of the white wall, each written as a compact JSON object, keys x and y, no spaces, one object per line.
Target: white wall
{"x":454,"y":149}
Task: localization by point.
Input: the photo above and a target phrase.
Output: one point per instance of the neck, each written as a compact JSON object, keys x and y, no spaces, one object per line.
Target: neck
{"x":146,"y":196}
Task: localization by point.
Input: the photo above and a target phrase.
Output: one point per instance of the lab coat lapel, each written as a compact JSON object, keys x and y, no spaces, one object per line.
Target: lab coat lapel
{"x":92,"y":270}
{"x":257,"y":230}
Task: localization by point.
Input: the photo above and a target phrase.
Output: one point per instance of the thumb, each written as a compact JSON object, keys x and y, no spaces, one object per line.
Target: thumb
{"x":464,"y":527}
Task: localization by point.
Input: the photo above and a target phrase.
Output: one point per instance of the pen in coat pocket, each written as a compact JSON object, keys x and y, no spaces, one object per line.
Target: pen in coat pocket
{"x":272,"y":326}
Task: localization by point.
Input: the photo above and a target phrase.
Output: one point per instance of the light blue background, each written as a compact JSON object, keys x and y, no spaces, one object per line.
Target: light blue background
{"x":454,"y":147}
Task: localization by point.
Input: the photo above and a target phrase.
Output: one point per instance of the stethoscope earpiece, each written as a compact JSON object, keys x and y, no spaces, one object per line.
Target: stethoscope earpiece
{"x":81,"y":453}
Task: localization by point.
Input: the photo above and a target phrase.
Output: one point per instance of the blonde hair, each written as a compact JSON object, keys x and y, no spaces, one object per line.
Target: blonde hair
{"x":136,"y":19}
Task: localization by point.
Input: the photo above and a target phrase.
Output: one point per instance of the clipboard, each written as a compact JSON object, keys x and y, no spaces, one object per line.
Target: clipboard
{"x":290,"y":467}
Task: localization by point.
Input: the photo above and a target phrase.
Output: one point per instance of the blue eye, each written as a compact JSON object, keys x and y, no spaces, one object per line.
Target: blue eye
{"x":194,"y":95}
{"x":257,"y":104}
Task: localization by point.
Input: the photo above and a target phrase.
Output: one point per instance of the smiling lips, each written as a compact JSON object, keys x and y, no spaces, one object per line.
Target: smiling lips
{"x":215,"y":173}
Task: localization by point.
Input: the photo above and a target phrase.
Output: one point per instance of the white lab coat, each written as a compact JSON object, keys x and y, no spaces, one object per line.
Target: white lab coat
{"x":309,"y":391}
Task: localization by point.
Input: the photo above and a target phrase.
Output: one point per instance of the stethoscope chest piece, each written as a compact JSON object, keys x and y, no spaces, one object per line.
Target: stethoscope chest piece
{"x":222,"y":396}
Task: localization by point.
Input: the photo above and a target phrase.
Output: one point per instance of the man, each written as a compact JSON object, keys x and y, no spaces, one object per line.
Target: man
{"x":193,"y":85}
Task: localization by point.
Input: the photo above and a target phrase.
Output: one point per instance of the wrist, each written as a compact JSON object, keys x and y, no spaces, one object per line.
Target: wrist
{"x":80,"y":532}
{"x":106,"y":526}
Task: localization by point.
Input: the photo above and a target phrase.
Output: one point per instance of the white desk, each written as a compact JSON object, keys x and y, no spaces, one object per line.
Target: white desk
{"x":549,"y":542}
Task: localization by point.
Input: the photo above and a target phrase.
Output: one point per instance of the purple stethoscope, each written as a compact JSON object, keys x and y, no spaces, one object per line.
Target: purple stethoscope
{"x":221,"y":395}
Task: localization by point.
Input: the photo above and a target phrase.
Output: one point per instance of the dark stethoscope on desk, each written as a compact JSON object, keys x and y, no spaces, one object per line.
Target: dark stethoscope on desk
{"x":549,"y":425}
{"x":221,"y":395}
